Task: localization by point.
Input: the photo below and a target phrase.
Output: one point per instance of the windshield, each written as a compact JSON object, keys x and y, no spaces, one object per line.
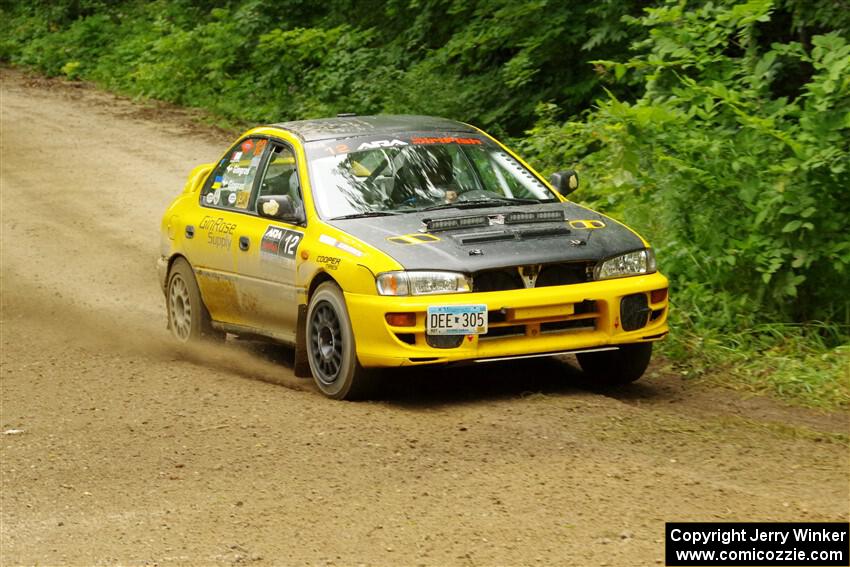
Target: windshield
{"x":366,"y":176}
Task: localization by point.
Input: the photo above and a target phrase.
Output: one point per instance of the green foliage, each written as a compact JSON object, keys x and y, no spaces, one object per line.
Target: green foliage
{"x":741,"y":186}
{"x":737,"y":188}
{"x":486,"y":62}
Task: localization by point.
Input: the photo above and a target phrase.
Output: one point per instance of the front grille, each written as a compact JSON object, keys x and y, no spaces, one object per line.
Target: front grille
{"x":444,"y":341}
{"x":563,"y":274}
{"x":583,"y":318}
{"x":509,"y":331}
{"x":506,"y":279}
{"x":557,"y":326}
{"x":497,"y":280}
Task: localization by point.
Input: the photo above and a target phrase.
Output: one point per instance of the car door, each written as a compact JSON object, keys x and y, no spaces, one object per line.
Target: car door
{"x":266,"y":284}
{"x":212,"y":237}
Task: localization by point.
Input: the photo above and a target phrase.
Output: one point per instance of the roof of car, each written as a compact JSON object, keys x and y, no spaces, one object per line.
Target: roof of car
{"x":350,"y":126}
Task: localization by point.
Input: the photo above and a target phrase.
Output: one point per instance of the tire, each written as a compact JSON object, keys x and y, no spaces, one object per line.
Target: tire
{"x":616,"y":368}
{"x":331,"y":348}
{"x":188,"y":318}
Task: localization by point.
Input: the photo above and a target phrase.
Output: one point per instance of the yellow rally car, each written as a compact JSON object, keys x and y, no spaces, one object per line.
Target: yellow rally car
{"x":385,"y":241}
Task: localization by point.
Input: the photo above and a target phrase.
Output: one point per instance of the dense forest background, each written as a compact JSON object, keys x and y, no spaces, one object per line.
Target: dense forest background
{"x":720,"y":130}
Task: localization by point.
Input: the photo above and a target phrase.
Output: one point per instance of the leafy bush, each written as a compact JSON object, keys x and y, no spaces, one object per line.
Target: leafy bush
{"x":743,"y":192}
{"x":488,"y":61}
{"x":739,"y":181}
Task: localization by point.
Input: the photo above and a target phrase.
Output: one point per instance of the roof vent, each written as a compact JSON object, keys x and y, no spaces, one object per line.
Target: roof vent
{"x":346,"y":114}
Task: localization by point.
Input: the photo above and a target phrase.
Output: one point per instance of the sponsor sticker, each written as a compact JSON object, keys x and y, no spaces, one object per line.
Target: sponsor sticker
{"x":331,"y":241}
{"x":247,"y":146}
{"x":237,"y":170}
{"x":280,"y":243}
{"x":271,"y":207}
{"x":329,"y":262}
{"x":587,"y":224}
{"x":231,"y":199}
{"x":242,"y":199}
{"x":236,"y":156}
{"x":209,"y":198}
{"x":219,"y":231}
{"x":381,"y":144}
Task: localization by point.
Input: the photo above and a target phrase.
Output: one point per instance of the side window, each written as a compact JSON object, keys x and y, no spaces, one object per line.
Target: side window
{"x":281,"y":175}
{"x":233,"y":179}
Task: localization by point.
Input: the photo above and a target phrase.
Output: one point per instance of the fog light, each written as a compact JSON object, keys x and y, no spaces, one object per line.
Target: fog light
{"x":634,"y":311}
{"x":658,"y":295}
{"x":401,"y":319}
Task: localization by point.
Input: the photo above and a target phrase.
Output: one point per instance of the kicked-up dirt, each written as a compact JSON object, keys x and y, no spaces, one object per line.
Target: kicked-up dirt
{"x":120,"y":448}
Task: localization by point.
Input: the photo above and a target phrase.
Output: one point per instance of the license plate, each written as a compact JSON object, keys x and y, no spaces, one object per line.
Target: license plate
{"x":456,"y":320}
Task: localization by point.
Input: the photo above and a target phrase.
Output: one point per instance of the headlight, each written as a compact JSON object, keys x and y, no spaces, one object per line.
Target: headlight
{"x":422,"y":283}
{"x":631,"y":264}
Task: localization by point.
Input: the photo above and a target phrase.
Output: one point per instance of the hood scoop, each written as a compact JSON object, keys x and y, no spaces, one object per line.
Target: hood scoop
{"x":483,"y":237}
{"x":544,"y":232}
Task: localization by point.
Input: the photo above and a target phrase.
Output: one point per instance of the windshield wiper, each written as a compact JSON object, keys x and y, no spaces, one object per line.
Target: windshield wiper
{"x":366,"y":214}
{"x":477,"y":203}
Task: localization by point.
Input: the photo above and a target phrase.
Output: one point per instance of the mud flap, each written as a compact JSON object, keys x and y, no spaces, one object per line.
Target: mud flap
{"x":302,"y":365}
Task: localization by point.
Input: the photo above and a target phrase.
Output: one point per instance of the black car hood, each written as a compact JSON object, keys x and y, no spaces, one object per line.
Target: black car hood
{"x":498,"y":245}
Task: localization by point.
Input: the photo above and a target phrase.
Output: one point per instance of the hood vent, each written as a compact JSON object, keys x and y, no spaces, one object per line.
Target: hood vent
{"x":451,"y":223}
{"x":514,"y":217}
{"x":519,"y":217}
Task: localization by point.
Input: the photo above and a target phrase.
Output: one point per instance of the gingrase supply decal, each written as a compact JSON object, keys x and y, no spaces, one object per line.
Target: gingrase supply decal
{"x":219,"y":231}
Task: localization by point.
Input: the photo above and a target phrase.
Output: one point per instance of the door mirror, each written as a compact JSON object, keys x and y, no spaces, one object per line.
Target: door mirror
{"x":280,"y":207}
{"x":564,"y":182}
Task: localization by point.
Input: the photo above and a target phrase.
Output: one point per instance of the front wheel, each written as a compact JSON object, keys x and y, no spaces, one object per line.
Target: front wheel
{"x":331,"y":348}
{"x":616,"y":367}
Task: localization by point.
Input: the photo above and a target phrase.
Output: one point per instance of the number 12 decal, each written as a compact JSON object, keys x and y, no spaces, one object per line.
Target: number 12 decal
{"x":280,"y":243}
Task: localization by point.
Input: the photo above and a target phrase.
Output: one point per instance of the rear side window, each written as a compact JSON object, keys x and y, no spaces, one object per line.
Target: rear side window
{"x":230,"y":185}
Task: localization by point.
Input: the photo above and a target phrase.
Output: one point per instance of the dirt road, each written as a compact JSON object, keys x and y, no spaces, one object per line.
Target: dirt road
{"x":129,"y":451}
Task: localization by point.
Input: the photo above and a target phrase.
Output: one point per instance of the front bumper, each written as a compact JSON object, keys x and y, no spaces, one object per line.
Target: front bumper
{"x":521,"y":322}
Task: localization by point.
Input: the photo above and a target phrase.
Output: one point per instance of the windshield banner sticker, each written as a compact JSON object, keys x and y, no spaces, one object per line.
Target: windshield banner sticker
{"x":365,"y":143}
{"x":447,"y":140}
{"x":280,"y":243}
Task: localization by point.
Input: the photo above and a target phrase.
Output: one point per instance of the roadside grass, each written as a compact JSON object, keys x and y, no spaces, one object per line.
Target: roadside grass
{"x":633,"y":428}
{"x":806,"y":365}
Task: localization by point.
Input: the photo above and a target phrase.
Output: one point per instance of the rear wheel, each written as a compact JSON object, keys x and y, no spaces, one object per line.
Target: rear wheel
{"x":617,"y":367}
{"x":188,"y":317}
{"x":331,"y":348}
